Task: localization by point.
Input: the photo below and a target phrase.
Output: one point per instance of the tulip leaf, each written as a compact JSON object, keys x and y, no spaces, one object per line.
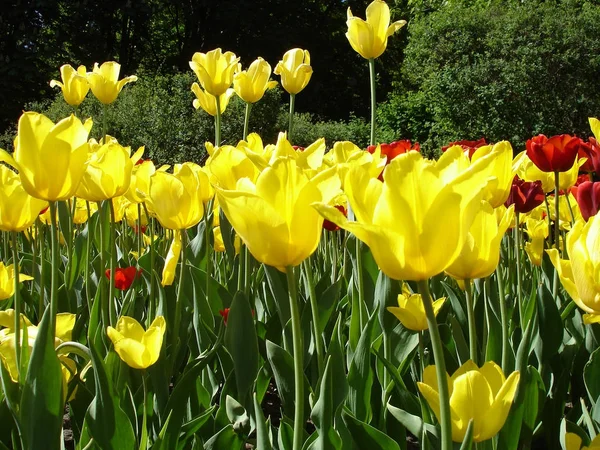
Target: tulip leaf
{"x":76,"y":260}
{"x":413,"y":423}
{"x":386,"y":294}
{"x":226,"y":438}
{"x":282,"y":365}
{"x":408,"y":399}
{"x":41,"y":409}
{"x":107,"y":423}
{"x":550,"y":324}
{"x":285,"y":437}
{"x":360,"y":375}
{"x":323,"y":414}
{"x":278,"y":286}
{"x":328,"y":295}
{"x":467,"y":442}
{"x":263,"y":441}
{"x":237,"y":415}
{"x":242,"y":344}
{"x":591,"y":376}
{"x":457,"y":305}
{"x":367,"y":437}
{"x":462,"y":348}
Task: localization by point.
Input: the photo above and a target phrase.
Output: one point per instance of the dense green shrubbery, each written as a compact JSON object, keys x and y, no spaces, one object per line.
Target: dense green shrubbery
{"x":157,"y":112}
{"x":505,"y":71}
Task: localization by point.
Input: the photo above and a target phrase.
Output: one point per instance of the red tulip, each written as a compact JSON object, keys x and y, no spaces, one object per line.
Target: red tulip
{"x":587,"y":195}
{"x":225,"y":314}
{"x":591,"y":151}
{"x":556,"y":154}
{"x":124,"y":277}
{"x":525,"y":195}
{"x":330,"y":226}
{"x":469,"y":147}
{"x":395,"y":148}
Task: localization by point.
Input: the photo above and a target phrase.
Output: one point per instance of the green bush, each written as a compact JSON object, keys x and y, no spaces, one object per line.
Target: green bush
{"x":503,"y":71}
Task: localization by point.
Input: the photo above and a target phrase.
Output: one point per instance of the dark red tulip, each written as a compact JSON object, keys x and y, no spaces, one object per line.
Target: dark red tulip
{"x":469,"y":147}
{"x":225,"y":314}
{"x":587,"y":195}
{"x":394,"y":149}
{"x":298,"y":148}
{"x":330,"y":226}
{"x":525,"y":195}
{"x":556,"y":154}
{"x":591,"y":151}
{"x":124,"y":277}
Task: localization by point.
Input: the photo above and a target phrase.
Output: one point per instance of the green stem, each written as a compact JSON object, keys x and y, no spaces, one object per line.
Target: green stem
{"x":247,"y":270}
{"x":373,"y":98}
{"x":218,"y":123}
{"x":556,"y":232}
{"x":104,"y":122}
{"x":55,"y":265}
{"x":471,"y":320}
{"x":42,"y":243}
{"x":298,"y":363}
{"x":421,"y":354}
{"x":291,"y":118}
{"x":314,"y":309}
{"x":503,"y":319}
{"x":360,"y":283}
{"x":112,"y":265}
{"x":207,"y":209}
{"x":247,"y":119}
{"x":139,"y":233}
{"x":151,"y":226}
{"x":17,"y":302}
{"x":518,"y":264}
{"x":440,"y":366}
{"x":179,"y":298}
{"x":241,"y":268}
{"x":88,"y":257}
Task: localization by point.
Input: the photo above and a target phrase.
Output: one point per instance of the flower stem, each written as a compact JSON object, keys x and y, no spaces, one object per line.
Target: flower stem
{"x":360,"y":283}
{"x":17,"y":302}
{"x":55,"y":265}
{"x":373,"y":98}
{"x":440,"y":366}
{"x":247,"y":119}
{"x":517,"y":233}
{"x":104,"y":122}
{"x":298,"y":363}
{"x":471,"y":320}
{"x":151,"y":248}
{"x":291,"y":118}
{"x":556,"y":232}
{"x":112,"y":264}
{"x":503,"y":319}
{"x":179,"y":298}
{"x":218,"y":123}
{"x":310,"y":282}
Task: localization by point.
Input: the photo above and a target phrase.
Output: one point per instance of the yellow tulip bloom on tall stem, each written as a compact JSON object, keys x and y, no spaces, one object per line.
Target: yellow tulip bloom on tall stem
{"x":74,"y":85}
{"x":250,"y":85}
{"x":295,"y":71}
{"x":369,"y":39}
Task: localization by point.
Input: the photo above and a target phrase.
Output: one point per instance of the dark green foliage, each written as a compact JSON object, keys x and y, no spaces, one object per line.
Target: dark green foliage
{"x":503,"y":71}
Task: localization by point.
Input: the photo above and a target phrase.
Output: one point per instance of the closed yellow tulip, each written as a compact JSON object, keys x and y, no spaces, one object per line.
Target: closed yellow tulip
{"x":250,"y":85}
{"x":139,"y":349}
{"x":108,"y":173}
{"x":483,"y":395}
{"x":579,"y":274}
{"x":500,"y":167}
{"x":418,"y":219}
{"x":7,"y":280}
{"x":537,"y":231}
{"x":574,"y":442}
{"x":295,"y":70}
{"x":50,"y":157}
{"x":481,"y":251}
{"x":215,"y":70}
{"x":105,"y":83}
{"x":208,"y":102}
{"x":274,"y":216}
{"x":369,"y":38}
{"x":177,"y":199}
{"x":411,"y":311}
{"x":75,"y":85}
{"x":18,"y":209}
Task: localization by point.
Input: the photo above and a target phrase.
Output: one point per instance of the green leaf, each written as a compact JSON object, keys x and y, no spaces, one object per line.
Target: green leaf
{"x":263,"y":441}
{"x":41,"y":408}
{"x":550,"y":324}
{"x":367,"y":437}
{"x":467,"y":442}
{"x":323,"y":414}
{"x":591,"y":376}
{"x":285,"y":437}
{"x":242,"y":344}
{"x":237,"y":415}
{"x":226,"y":438}
{"x":360,"y":375}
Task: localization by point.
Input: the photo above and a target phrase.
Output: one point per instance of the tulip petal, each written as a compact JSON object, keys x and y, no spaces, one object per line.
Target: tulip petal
{"x":168,"y":274}
{"x":496,"y":414}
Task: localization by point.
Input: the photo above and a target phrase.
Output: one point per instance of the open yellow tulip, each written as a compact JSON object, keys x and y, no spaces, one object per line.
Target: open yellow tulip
{"x":18,"y":209}
{"x":483,"y":395}
{"x":208,"y":102}
{"x":75,"y":85}
{"x":250,"y":85}
{"x":215,"y":70}
{"x":105,"y":83}
{"x":137,"y":348}
{"x":411,"y":311}
{"x":7,"y":280}
{"x":369,"y":38}
{"x":50,"y":158}
{"x":295,"y":70}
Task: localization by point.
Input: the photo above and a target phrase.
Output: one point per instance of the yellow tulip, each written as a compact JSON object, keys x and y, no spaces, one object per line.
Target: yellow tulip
{"x":229,"y":164}
{"x":18,"y":209}
{"x":177,"y":199}
{"x":410,"y":310}
{"x":215,"y":70}
{"x":75,"y":85}
{"x":579,"y":274}
{"x":573,"y":442}
{"x":481,"y":251}
{"x":81,"y":211}
{"x":274,"y":216}
{"x":219,"y":245}
{"x":500,"y":167}
{"x":170,"y":267}
{"x":132,"y":216}
{"x":108,"y":173}
{"x":369,"y":38}
{"x":345,"y":154}
{"x":538,"y":232}
{"x":105,"y":83}
{"x":483,"y":395}
{"x":527,"y":170}
{"x":418,"y":219}
{"x":251,"y":85}
{"x":139,"y":185}
{"x":7,"y":280}
{"x":139,"y":349}
{"x":295,"y":70}
{"x":208,"y":102}
{"x":50,"y":158}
